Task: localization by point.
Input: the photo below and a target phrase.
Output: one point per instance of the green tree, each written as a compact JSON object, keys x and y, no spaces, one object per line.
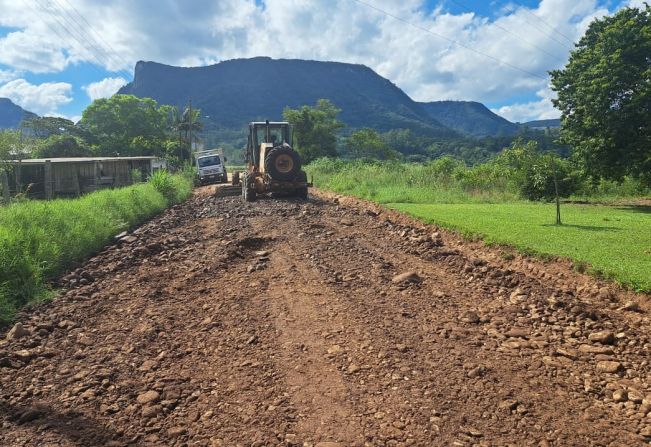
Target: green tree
{"x":536,"y":175}
{"x":45,"y":126}
{"x":114,"y":123}
{"x":315,"y":129}
{"x":61,"y":146}
{"x":367,"y":144}
{"x":604,"y":94}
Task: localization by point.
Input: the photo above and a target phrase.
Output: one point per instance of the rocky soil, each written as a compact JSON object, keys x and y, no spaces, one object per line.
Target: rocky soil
{"x":325,"y":323}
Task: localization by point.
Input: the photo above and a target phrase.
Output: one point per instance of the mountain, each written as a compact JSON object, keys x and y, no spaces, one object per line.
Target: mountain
{"x":232,"y":93}
{"x":11,"y":115}
{"x":470,"y":118}
{"x":543,"y":124}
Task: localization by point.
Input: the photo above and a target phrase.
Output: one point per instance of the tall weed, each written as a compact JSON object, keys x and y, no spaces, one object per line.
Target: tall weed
{"x":41,"y":239}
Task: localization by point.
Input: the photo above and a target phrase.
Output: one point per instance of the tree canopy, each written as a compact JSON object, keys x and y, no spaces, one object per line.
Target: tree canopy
{"x":315,"y":129}
{"x":125,"y":125}
{"x":604,"y":94}
{"x":367,"y":144}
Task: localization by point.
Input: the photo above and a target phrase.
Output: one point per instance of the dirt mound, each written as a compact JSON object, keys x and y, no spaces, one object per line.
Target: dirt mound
{"x":324,"y":323}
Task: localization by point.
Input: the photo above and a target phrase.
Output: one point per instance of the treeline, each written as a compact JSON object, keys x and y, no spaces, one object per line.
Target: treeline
{"x":122,"y":125}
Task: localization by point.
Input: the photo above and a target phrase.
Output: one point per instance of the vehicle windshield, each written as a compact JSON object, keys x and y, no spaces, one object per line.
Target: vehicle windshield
{"x":212,"y":160}
{"x":276,"y":135}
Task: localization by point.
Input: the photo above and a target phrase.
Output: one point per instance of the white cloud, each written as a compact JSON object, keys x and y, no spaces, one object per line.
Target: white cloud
{"x":529,"y":111}
{"x":32,"y":51}
{"x":8,"y":75}
{"x":42,"y":99}
{"x":105,"y":88}
{"x":416,"y":58}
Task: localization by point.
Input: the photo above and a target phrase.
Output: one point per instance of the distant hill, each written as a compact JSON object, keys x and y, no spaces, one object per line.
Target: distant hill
{"x":470,"y":118}
{"x":232,"y":93}
{"x":11,"y":115}
{"x":543,"y":124}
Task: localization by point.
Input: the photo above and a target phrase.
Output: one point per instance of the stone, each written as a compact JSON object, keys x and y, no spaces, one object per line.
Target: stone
{"x":402,"y":347}
{"x":476,"y":372}
{"x":407,"y":277}
{"x":88,"y":394}
{"x":517,"y":332}
{"x":591,"y":349}
{"x":17,"y":332}
{"x":620,"y":396}
{"x":175,"y":432}
{"x":148,"y":397}
{"x":646,"y":431}
{"x":603,"y":337}
{"x":151,"y":411}
{"x":635,"y":396}
{"x":23,"y":355}
{"x":352,"y":368}
{"x":328,"y":444}
{"x":631,"y":306}
{"x":470,"y":317}
{"x":147,"y":365}
{"x":508,"y":405}
{"x":85,"y":340}
{"x":609,"y":366}
{"x":334,"y":350}
{"x":128,"y":239}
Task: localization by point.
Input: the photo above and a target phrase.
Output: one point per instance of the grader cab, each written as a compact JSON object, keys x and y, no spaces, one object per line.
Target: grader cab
{"x":273,"y":166}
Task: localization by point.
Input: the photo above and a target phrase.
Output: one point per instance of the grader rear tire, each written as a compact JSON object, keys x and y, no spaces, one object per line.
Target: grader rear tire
{"x":248,"y":192}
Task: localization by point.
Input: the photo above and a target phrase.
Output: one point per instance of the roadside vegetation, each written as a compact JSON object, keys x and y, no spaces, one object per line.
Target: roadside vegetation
{"x":610,"y":241}
{"x":39,"y":240}
{"x":505,"y":205}
{"x":599,"y":164}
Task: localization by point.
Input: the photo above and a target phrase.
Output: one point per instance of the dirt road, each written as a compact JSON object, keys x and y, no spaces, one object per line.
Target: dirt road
{"x":284,"y":323}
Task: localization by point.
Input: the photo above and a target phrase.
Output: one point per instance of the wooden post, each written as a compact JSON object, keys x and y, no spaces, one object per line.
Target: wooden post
{"x":558,"y":200}
{"x":19,"y":183}
{"x":49,"y":187}
{"x":98,"y":173}
{"x":5,"y":186}
{"x":76,"y":180}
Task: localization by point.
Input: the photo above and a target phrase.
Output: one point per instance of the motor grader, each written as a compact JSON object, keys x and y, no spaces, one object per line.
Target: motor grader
{"x":273,"y":166}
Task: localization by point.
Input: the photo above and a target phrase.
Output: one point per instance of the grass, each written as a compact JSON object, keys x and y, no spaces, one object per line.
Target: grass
{"x":615,"y":241}
{"x":41,"y":239}
{"x":611,"y":241}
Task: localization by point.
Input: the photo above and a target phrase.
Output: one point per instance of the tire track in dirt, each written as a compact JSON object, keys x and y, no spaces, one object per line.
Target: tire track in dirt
{"x":279,"y":323}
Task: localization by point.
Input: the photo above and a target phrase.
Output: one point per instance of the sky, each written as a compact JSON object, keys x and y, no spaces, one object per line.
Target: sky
{"x":56,"y":56}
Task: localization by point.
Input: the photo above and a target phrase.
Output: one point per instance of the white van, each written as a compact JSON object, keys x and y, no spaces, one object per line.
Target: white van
{"x":210,"y":166}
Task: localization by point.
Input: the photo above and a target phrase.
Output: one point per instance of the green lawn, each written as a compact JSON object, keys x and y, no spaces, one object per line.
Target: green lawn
{"x":615,"y":241}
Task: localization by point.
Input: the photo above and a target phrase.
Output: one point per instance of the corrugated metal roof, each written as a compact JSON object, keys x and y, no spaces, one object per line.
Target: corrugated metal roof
{"x":78,"y":159}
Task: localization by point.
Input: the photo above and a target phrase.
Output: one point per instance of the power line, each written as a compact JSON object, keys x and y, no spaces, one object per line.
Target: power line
{"x":99,"y":36}
{"x":497,"y":25}
{"x":544,"y":22}
{"x":513,"y":11}
{"x":55,"y":31}
{"x":81,"y":44}
{"x":81,"y":30}
{"x":79,"y":35}
{"x":486,"y":55}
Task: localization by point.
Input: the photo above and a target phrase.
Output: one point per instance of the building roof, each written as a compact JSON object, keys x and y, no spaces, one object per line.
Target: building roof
{"x":36,"y":161}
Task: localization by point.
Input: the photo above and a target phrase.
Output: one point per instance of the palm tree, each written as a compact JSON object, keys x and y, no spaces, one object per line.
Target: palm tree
{"x":185,"y":123}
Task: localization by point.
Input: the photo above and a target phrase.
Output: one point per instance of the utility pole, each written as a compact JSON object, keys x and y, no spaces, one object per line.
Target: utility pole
{"x":190,"y":118}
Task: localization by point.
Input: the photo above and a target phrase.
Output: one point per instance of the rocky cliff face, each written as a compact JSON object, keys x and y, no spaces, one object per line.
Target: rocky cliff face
{"x":232,"y":93}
